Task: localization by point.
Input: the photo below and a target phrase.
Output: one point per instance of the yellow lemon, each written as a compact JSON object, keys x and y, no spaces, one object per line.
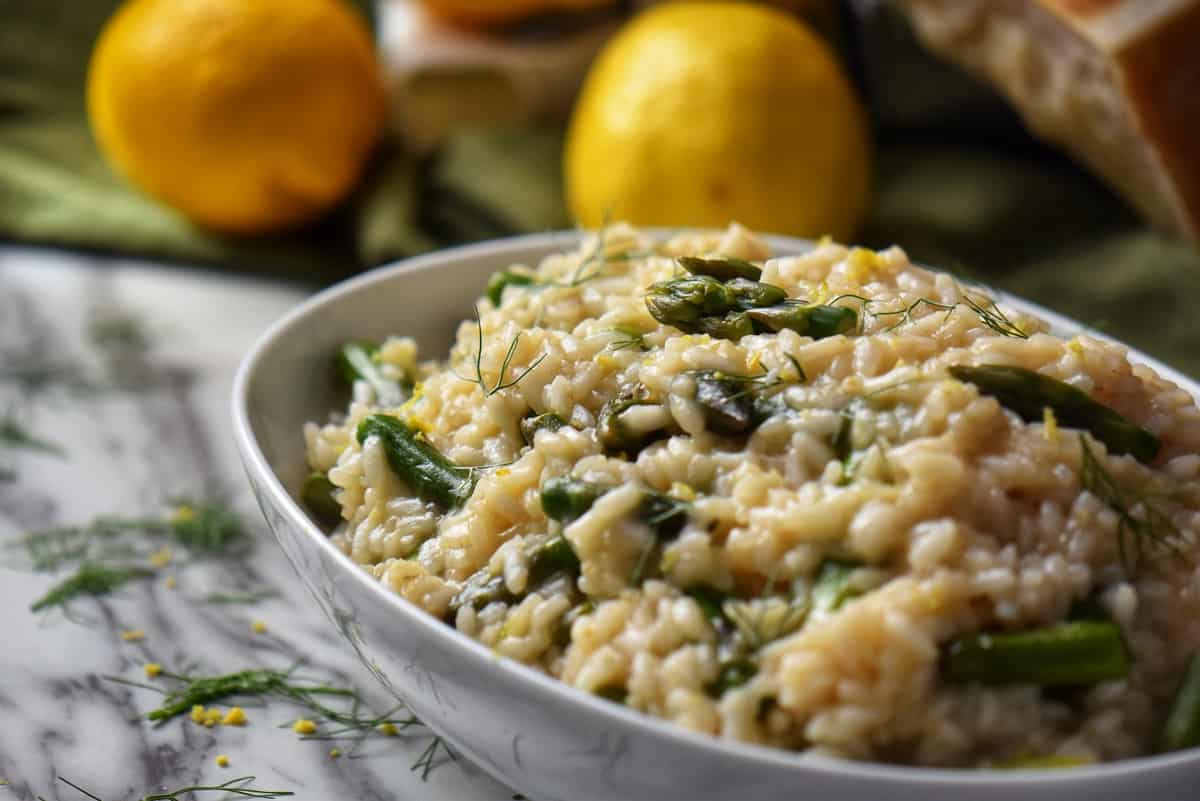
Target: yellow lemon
{"x":488,"y":13}
{"x":246,"y":115}
{"x":697,"y":114}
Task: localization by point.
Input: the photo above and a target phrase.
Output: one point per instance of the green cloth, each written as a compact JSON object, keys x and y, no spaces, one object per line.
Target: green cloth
{"x":954,"y":193}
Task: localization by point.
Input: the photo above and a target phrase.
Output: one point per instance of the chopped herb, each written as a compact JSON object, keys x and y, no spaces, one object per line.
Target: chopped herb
{"x":91,"y":578}
{"x":234,"y":787}
{"x":731,"y":674}
{"x":1141,"y":524}
{"x":502,"y":280}
{"x":500,"y":384}
{"x":833,"y":587}
{"x":239,"y":597}
{"x":117,"y":332}
{"x":764,"y":620}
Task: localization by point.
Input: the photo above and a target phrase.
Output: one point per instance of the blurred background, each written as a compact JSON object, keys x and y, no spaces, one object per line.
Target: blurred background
{"x":1046,"y":147}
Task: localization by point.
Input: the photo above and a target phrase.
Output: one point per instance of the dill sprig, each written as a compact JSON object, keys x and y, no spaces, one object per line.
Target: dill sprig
{"x":235,"y":787}
{"x":1141,"y":524}
{"x":14,"y":435}
{"x":264,"y":683}
{"x":204,"y":528}
{"x":91,"y":578}
{"x":987,"y":310}
{"x":500,"y":383}
{"x":428,"y":760}
{"x":239,"y":597}
{"x":117,"y":332}
{"x":630,"y":338}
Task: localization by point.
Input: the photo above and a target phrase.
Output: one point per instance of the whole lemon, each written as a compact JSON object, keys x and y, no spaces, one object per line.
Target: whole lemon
{"x":697,"y":114}
{"x":245,"y":115}
{"x":488,"y":13}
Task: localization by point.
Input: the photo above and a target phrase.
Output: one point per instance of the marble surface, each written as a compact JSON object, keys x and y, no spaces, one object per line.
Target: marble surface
{"x":139,"y":427}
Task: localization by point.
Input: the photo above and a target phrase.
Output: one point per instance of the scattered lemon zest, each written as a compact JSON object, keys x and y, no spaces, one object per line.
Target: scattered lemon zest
{"x":754,"y":362}
{"x":212,"y":716}
{"x":160,"y":558}
{"x":197,"y":714}
{"x":152,"y":669}
{"x":133,"y":635}
{"x":1050,"y":425}
{"x":861,"y":264}
{"x":388,"y":729}
{"x":234,"y":717}
{"x":682,"y":491}
{"x":258,"y":627}
{"x":821,"y":293}
{"x":334,"y":753}
{"x":647,"y":361}
{"x":606,"y":362}
{"x":304,"y":726}
{"x":171,"y":582}
{"x":183,"y":514}
{"x":222,"y":761}
{"x":503,"y":471}
{"x":1075,"y":346}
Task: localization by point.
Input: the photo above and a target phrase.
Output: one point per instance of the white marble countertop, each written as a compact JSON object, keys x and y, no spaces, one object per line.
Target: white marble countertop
{"x":163,"y":433}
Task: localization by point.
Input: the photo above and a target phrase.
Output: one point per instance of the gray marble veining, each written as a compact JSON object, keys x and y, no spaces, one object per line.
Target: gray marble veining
{"x":164,"y":433}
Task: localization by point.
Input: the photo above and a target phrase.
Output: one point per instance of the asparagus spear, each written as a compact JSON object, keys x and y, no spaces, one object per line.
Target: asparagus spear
{"x":1071,"y":654}
{"x":682,"y":301}
{"x":816,"y":321}
{"x":723,"y":269}
{"x":753,"y":294}
{"x":728,"y":406}
{"x":355,"y":361}
{"x":1030,"y":393}
{"x":1182,"y":728}
{"x":732,"y":673}
{"x":614,"y":431}
{"x":554,"y":556}
{"x":317,"y":495}
{"x":427,"y":472}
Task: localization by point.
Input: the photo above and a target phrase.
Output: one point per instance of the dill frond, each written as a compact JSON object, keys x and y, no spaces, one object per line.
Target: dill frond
{"x":92,"y":578}
{"x":500,"y":383}
{"x":428,"y":759}
{"x":993,"y":317}
{"x":1141,"y":525}
{"x":763,"y":620}
{"x":14,"y":435}
{"x":631,"y":338}
{"x":239,"y":597}
{"x":234,"y":787}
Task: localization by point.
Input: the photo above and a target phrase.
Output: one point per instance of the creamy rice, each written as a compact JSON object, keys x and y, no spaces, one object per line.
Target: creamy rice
{"x":952,"y":513}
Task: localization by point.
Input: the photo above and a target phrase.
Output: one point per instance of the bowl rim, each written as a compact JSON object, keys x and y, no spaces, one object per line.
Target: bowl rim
{"x":913,"y":776}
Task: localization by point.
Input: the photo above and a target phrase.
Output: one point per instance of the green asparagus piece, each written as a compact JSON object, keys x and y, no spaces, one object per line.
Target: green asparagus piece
{"x":723,"y":269}
{"x":554,"y":556}
{"x":613,"y":431}
{"x":531,"y":425}
{"x":682,"y":301}
{"x":427,"y":472}
{"x":503,"y":279}
{"x":355,"y":361}
{"x":732,"y":326}
{"x":816,"y":321}
{"x":733,"y":673}
{"x":564,"y":498}
{"x":710,"y":601}
{"x":728,"y":406}
{"x":1182,"y":728}
{"x":752,"y":294}
{"x":481,"y":590}
{"x":317,"y":495}
{"x":1071,"y":654}
{"x":1030,"y":393}
{"x":832,"y":588}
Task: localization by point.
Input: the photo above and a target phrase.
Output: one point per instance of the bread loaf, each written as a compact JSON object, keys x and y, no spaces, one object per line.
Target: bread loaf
{"x":1115,"y":82}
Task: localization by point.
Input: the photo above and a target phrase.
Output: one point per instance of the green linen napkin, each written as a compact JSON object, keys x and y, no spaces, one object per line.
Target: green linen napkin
{"x":1013,"y":216}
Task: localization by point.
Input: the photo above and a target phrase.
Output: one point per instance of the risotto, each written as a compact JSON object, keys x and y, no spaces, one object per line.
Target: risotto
{"x":831,"y":501}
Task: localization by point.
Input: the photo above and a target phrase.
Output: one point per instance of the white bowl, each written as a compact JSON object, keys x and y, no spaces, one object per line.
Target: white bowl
{"x":541,"y":737}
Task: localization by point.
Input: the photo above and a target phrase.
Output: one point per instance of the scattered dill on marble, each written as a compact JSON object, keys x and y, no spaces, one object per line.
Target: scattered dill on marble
{"x":428,"y":760}
{"x":239,"y":597}
{"x":203,"y":528}
{"x":238,"y":787}
{"x":117,"y":333}
{"x":91,"y":578}
{"x":14,"y":435}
